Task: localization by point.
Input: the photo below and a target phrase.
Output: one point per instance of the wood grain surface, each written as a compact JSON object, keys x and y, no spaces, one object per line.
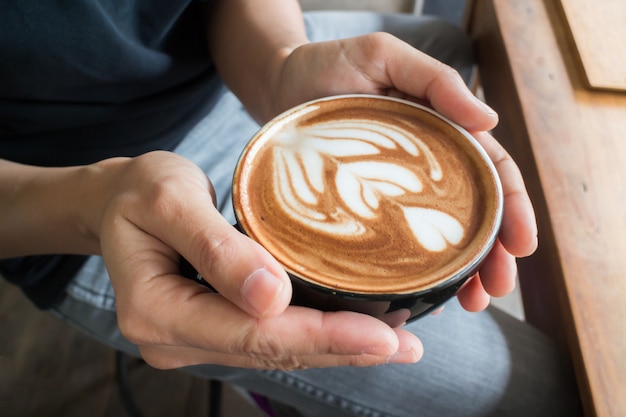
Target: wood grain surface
{"x":598,"y":31}
{"x":569,"y":142}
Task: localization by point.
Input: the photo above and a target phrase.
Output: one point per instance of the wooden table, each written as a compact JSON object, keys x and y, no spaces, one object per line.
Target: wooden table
{"x":570,"y":142}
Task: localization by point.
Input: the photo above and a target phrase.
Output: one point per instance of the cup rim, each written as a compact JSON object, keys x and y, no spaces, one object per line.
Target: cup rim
{"x":469,"y":269}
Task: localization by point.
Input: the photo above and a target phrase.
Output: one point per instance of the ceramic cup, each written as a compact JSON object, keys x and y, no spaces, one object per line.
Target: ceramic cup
{"x":371,"y":204}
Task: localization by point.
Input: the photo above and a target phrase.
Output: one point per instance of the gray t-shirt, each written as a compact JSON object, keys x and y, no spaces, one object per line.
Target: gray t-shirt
{"x":87,"y":80}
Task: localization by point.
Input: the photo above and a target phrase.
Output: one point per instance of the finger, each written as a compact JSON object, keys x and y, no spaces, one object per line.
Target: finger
{"x":473,"y":296}
{"x":383,"y":64}
{"x":518,"y":233}
{"x":298,"y":331}
{"x":192,"y":317}
{"x":240,"y":269}
{"x":422,"y":76}
{"x":173,"y":357}
{"x":410,"y":350}
{"x":498,"y":271}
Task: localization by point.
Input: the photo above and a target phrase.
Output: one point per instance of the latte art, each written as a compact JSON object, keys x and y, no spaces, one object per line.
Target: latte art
{"x":367,"y":196}
{"x":354,"y":151}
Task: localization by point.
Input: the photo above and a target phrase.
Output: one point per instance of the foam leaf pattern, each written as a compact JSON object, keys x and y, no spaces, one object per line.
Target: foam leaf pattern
{"x":302,"y":165}
{"x":362,"y":184}
{"x":433,"y":229}
{"x":365,"y":132}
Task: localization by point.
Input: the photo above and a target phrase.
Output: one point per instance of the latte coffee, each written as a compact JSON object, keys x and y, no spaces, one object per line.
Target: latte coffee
{"x":367,"y":196}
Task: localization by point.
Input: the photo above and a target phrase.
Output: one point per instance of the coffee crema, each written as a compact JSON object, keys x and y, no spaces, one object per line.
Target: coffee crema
{"x":367,"y":195}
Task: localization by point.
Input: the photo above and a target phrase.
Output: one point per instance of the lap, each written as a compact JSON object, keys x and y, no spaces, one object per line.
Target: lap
{"x":475,"y":364}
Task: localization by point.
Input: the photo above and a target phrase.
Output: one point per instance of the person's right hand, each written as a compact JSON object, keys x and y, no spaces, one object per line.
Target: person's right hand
{"x":158,"y":206}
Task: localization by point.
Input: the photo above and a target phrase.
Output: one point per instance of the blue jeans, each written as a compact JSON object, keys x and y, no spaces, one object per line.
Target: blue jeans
{"x":475,"y":364}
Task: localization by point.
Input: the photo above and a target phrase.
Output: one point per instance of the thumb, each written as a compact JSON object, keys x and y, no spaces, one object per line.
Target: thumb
{"x":240,"y":269}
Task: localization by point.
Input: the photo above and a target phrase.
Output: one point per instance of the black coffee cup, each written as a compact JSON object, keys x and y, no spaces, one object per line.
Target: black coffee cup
{"x":421,"y":194}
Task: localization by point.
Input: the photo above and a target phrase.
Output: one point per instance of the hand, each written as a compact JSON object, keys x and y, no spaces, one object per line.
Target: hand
{"x":381,"y":64}
{"x":517,"y":237}
{"x":374,"y":64}
{"x":158,"y":206}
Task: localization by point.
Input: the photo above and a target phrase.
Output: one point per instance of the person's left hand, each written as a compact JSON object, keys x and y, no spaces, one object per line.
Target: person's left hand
{"x":382,"y":64}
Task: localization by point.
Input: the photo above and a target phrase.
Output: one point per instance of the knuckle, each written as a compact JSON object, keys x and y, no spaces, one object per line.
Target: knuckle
{"x":285,"y":363}
{"x":160,"y":183}
{"x":289,"y":363}
{"x":161,"y":198}
{"x":256,"y":344}
{"x":144,"y":195}
{"x":445,"y":72}
{"x":376,"y":45}
{"x":379,"y":39}
{"x":215,"y":247}
{"x":268,"y":353}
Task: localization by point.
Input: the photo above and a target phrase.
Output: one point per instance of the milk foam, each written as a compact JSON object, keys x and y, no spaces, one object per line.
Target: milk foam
{"x":353,"y":149}
{"x":366,"y":196}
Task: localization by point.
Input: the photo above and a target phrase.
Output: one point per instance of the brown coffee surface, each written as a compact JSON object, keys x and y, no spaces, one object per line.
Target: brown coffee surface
{"x":366,"y":195}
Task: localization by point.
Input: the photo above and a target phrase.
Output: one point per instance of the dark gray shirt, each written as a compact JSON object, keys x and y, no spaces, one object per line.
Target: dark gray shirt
{"x":82,"y":81}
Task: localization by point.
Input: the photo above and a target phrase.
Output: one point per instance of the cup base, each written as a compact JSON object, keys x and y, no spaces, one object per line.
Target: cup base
{"x":393,"y":310}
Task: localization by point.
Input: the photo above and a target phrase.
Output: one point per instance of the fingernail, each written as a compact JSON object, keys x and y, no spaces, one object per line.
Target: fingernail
{"x":261,"y":290}
{"x":404,"y":356}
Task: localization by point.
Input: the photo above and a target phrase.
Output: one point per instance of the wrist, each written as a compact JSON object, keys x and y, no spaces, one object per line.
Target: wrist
{"x":96,"y":187}
{"x":46,"y":210}
{"x":249,"y":41}
{"x":275,"y":99}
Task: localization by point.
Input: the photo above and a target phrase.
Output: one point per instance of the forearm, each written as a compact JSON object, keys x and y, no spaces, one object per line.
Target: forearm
{"x":249,"y":40}
{"x":49,"y":210}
